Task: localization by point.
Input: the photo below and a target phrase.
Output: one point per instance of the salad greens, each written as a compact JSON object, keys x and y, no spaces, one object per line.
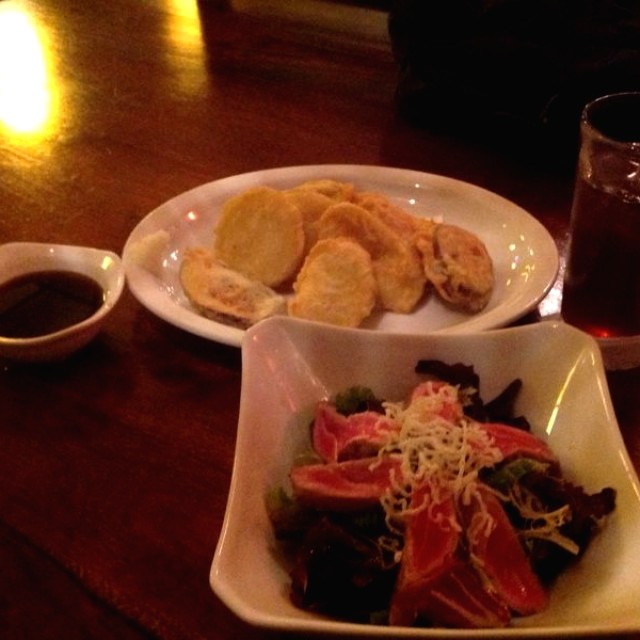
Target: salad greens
{"x":347,"y":562}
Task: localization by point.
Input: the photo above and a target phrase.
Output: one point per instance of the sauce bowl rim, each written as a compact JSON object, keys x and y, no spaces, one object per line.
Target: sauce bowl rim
{"x":89,"y":263}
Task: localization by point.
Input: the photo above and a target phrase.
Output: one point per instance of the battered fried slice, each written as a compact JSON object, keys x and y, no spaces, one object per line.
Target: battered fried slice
{"x":396,"y":265}
{"x":335,"y":189}
{"x":336,"y":284}
{"x":401,"y":221}
{"x":260,"y":234}
{"x":401,"y":280}
{"x":460,"y":267}
{"x":312,"y":204}
{"x":423,"y":239}
{"x":225,"y":295}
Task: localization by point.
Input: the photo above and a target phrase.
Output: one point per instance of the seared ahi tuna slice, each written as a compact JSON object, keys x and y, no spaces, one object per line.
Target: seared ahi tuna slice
{"x":459,"y":598}
{"x":516,"y":442}
{"x":338,"y":437}
{"x":501,"y":557}
{"x":436,"y":584}
{"x":340,"y":486}
{"x":430,"y":541}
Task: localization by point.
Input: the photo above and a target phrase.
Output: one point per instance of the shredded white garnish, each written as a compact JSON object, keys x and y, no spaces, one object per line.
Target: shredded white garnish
{"x":392,"y":546}
{"x":541,"y":524}
{"x":437,"y":446}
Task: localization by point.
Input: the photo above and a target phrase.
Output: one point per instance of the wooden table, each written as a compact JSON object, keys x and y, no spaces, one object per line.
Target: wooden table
{"x":116,"y":463}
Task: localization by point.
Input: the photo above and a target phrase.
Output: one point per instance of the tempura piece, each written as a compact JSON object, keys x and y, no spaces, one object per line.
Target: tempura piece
{"x":335,"y":285}
{"x":397,"y":267}
{"x":260,"y":234}
{"x":336,"y":190}
{"x":423,"y":239}
{"x":225,"y":295}
{"x":395,"y":217}
{"x":460,"y":267}
{"x":312,"y":204}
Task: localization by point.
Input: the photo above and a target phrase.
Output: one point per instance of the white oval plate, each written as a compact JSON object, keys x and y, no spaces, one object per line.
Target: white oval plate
{"x":525,"y":256}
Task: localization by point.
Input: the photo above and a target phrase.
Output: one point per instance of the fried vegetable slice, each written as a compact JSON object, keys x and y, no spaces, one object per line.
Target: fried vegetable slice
{"x":397,"y":267}
{"x":225,"y":295}
{"x":459,"y":266}
{"x":335,"y":189}
{"x":260,"y":234}
{"x":402,"y":222}
{"x":335,"y":285}
{"x":312,"y":204}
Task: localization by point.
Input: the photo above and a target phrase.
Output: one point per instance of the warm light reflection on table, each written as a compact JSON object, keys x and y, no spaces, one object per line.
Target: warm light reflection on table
{"x":27,"y":93}
{"x":185,"y":42}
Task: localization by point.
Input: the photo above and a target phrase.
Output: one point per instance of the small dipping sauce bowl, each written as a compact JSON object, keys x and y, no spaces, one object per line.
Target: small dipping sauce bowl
{"x":54,"y":298}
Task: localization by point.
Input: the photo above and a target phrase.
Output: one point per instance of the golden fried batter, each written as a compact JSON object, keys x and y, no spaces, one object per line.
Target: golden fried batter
{"x":312,"y":204}
{"x":225,"y":295}
{"x":335,"y":285}
{"x":334,"y":189}
{"x":459,"y":266}
{"x":396,"y":265}
{"x":347,"y":251}
{"x":423,"y":239}
{"x":260,"y":234}
{"x":399,"y":220}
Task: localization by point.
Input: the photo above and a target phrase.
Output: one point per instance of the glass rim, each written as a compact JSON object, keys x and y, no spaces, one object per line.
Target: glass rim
{"x":596,"y":105}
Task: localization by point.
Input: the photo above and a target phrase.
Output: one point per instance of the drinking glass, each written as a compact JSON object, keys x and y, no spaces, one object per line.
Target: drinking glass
{"x":601,"y":293}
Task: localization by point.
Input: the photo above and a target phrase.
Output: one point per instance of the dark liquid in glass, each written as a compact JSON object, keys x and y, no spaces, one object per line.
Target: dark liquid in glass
{"x":602,"y":284}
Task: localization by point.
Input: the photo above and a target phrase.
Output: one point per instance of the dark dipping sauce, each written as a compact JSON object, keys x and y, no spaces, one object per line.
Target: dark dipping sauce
{"x":43,"y":302}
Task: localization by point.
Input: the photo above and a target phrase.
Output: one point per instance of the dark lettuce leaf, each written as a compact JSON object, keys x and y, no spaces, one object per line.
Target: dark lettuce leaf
{"x":587,"y":514}
{"x":552,"y":492}
{"x":500,"y":409}
{"x":504,"y":476}
{"x":288,"y":518}
{"x":342,"y":573}
{"x":357,"y":399}
{"x":455,"y":374}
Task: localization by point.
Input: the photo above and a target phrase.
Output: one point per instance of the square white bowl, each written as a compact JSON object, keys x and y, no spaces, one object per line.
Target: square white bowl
{"x":288,"y":365}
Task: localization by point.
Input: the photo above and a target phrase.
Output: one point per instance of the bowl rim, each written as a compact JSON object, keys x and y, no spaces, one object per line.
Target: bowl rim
{"x":111,"y":294}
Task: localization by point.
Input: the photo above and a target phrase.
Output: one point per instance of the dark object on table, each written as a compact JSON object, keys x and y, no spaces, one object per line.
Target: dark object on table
{"x":515,"y":72}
